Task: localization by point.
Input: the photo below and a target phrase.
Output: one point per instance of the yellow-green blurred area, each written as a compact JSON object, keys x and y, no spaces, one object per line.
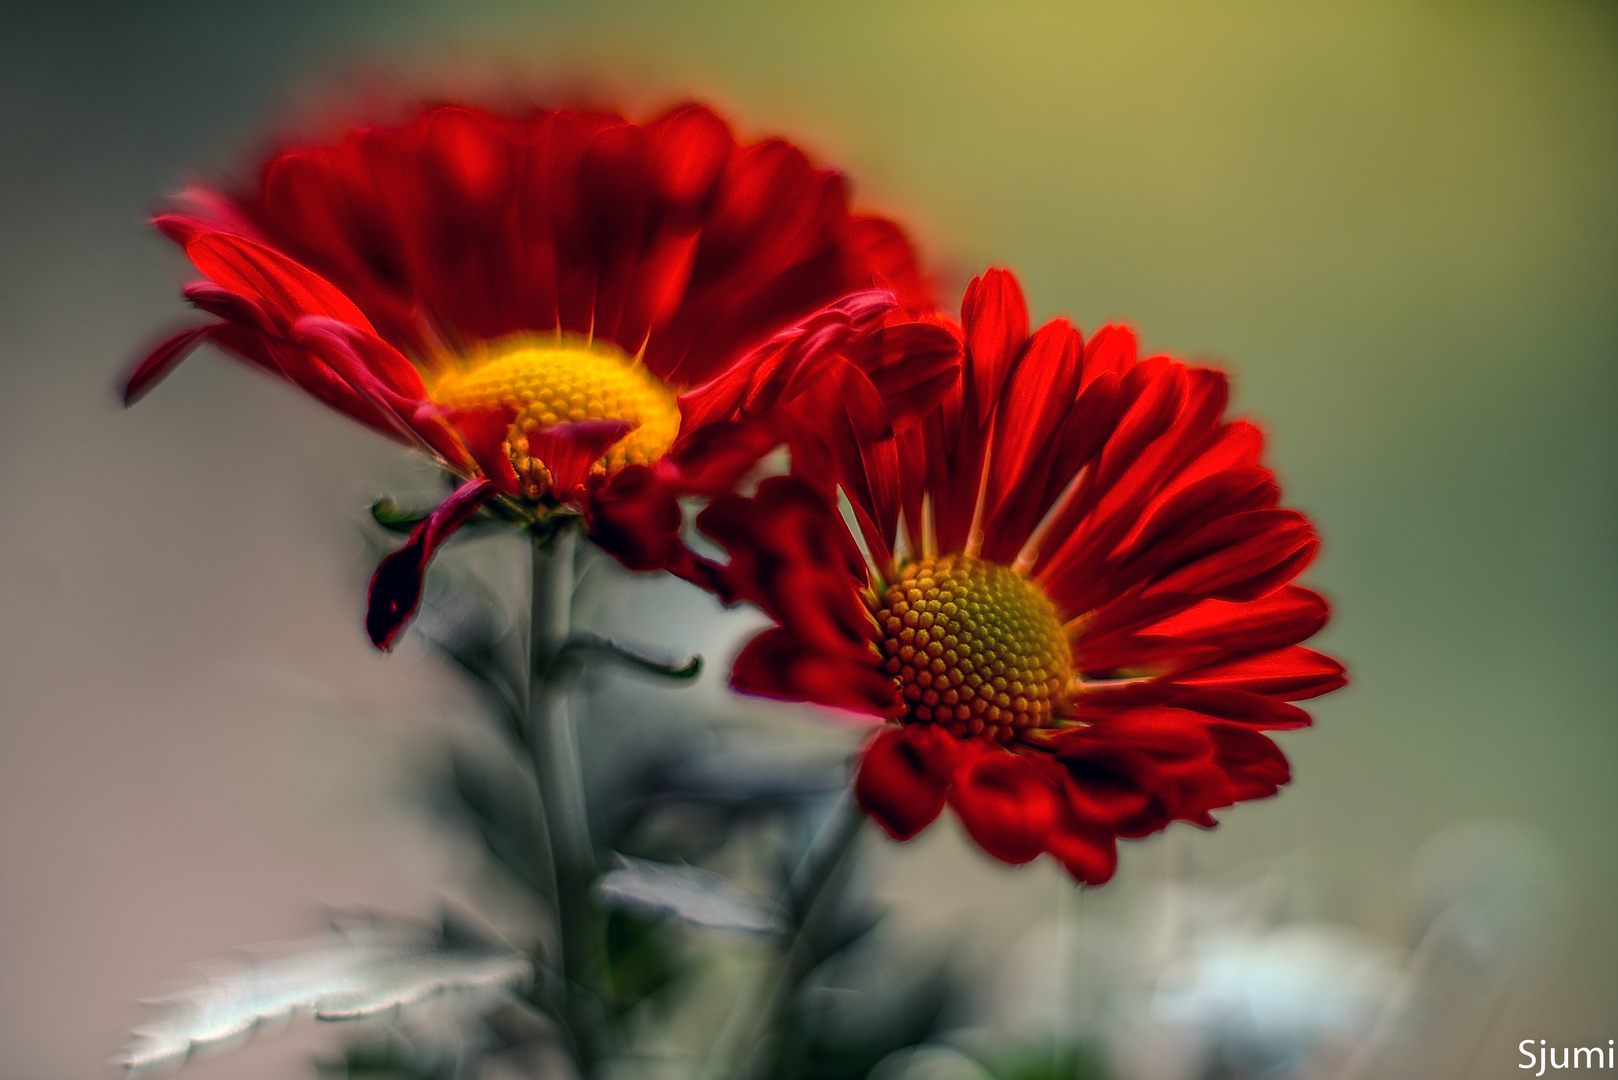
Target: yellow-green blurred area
{"x":1395,"y":224}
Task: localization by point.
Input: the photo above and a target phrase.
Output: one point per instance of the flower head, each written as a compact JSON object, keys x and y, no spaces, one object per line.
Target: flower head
{"x":1066,"y":591}
{"x":526,"y":297}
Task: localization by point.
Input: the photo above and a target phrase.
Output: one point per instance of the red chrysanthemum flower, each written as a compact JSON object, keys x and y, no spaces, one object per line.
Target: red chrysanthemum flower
{"x":526,"y":297}
{"x":1067,"y":591}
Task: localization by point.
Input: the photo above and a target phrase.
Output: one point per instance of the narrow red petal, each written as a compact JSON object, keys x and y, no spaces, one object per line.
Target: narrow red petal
{"x":1284,"y":617}
{"x":1291,"y":674}
{"x":270,"y":278}
{"x":155,"y":366}
{"x":995,"y":317}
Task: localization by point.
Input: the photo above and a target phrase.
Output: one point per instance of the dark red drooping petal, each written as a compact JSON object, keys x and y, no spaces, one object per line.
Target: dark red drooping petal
{"x":781,"y":664}
{"x":903,"y":776}
{"x":1255,"y":765}
{"x":396,"y":586}
{"x":1006,"y":804}
{"x":1089,"y":854}
{"x":637,"y":517}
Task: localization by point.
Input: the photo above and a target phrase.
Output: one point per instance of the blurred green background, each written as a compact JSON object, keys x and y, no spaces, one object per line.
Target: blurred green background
{"x":1396,"y":224}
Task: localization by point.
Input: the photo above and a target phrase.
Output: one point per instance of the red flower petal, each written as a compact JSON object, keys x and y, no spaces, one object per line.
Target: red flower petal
{"x":781,"y":664}
{"x":637,"y":517}
{"x":1005,"y":803}
{"x":995,"y":316}
{"x":881,"y":248}
{"x":791,"y":556}
{"x":1091,"y":857}
{"x":396,"y":586}
{"x":687,"y":147}
{"x":484,"y":432}
{"x":1291,"y":674}
{"x":903,"y":776}
{"x":155,"y":366}
{"x":1284,"y":617}
{"x":270,"y":279}
{"x":569,"y":450}
{"x":1255,"y":765}
{"x":374,"y":369}
{"x":714,"y":458}
{"x":635,"y":512}
{"x":1136,"y":769}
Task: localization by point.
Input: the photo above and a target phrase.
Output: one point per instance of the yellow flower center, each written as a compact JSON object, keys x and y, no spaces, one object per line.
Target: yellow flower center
{"x":973,"y":645}
{"x":552,"y":382}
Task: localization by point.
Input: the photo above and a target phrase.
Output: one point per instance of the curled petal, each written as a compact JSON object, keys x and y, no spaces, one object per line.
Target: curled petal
{"x":484,"y":432}
{"x":781,"y":664}
{"x":232,"y":307}
{"x":1006,"y":804}
{"x":786,"y":365}
{"x":1255,"y":765}
{"x":1090,"y":854}
{"x":636,"y":517}
{"x":569,"y":450}
{"x":396,"y":586}
{"x":379,"y":374}
{"x":903,"y":776}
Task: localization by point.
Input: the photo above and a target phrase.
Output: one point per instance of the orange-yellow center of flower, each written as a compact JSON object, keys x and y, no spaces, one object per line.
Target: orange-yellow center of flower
{"x":552,"y":382}
{"x":973,"y":645}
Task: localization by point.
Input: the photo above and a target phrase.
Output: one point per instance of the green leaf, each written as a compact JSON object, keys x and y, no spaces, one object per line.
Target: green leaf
{"x":587,"y":648}
{"x":395,"y":518}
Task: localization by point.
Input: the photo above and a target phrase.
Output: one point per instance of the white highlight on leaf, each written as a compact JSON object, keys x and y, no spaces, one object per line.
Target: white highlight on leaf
{"x":698,"y":896}
{"x":359,"y":970}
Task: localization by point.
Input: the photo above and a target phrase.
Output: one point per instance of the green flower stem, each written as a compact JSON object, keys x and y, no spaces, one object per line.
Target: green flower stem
{"x":550,"y":728}
{"x":812,"y":894}
{"x":561,"y":789}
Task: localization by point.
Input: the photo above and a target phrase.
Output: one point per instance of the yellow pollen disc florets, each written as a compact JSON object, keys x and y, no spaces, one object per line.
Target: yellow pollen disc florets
{"x":973,"y":645}
{"x":549,"y":382}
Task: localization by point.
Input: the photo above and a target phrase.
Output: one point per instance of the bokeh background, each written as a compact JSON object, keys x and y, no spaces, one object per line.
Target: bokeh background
{"x":1395,"y":223}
